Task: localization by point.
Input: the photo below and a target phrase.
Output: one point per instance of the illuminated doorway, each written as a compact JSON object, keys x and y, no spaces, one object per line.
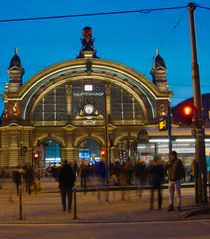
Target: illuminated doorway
{"x":51,"y":153}
{"x":89,"y":151}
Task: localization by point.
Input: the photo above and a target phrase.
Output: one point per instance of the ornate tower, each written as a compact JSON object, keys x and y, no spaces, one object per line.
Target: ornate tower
{"x":158,"y":73}
{"x":16,"y":72}
{"x":87,"y":50}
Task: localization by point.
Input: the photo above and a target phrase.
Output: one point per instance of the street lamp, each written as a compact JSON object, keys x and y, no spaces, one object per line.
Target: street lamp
{"x":106,"y":135}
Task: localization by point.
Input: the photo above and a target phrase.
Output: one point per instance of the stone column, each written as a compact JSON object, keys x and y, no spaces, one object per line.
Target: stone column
{"x":69,"y":101}
{"x":108,"y":101}
{"x":69,"y":153}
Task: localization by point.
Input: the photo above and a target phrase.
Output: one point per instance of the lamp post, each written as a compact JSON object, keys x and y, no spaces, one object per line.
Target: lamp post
{"x":200,"y":158}
{"x":106,"y":136}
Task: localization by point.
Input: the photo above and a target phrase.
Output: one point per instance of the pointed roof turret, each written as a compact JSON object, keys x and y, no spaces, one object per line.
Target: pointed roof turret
{"x":158,"y":61}
{"x":15,"y":61}
{"x":16,"y":72}
{"x":158,"y":73}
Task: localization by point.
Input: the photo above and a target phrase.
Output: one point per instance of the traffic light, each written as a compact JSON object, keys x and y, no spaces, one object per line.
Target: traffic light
{"x":187,"y":113}
{"x":103,"y":153}
{"x":163,"y":123}
{"x":36,"y":155}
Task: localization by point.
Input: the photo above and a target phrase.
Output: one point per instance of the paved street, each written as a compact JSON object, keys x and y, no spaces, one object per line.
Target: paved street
{"x":45,"y":206}
{"x":134,"y":230}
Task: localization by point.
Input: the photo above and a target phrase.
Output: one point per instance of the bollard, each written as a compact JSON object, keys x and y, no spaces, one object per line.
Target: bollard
{"x":20,"y":199}
{"x":75,"y":202}
{"x":209,"y":184}
{"x":21,"y":172}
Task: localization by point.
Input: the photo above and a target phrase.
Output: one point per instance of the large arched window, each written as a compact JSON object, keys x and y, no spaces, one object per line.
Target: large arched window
{"x":54,"y":105}
{"x":124,"y":106}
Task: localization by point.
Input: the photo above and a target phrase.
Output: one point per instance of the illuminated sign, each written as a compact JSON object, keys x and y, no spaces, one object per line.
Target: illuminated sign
{"x":89,"y":94}
{"x":88,"y":87}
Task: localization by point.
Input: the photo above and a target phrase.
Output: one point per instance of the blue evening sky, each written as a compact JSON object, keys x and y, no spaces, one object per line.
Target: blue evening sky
{"x":130,"y":39}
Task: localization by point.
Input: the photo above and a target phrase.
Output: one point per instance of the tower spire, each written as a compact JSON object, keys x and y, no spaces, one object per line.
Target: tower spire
{"x":157,"y":51}
{"x":16,"y":72}
{"x":158,"y":73}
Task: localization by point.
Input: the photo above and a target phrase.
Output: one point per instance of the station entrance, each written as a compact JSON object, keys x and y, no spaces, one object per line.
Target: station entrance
{"x":89,"y":151}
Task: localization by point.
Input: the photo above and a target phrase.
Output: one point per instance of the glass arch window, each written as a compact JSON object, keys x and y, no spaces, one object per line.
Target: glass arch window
{"x":54,"y":105}
{"x":124,"y":106}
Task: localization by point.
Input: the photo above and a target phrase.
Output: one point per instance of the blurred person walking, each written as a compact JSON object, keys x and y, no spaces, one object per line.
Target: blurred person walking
{"x":175,"y":174}
{"x":116,"y":170}
{"x":66,"y":181}
{"x":140,"y":170}
{"x":128,"y":171}
{"x":156,"y":173}
{"x":17,"y":178}
{"x":83,"y":173}
{"x":29,"y":177}
{"x":102,"y":180}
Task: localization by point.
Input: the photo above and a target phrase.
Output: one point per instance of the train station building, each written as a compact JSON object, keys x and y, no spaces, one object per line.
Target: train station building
{"x":88,"y":108}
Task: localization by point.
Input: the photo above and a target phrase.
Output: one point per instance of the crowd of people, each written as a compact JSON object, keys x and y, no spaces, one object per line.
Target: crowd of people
{"x":127,"y":173}
{"x":154,"y":175}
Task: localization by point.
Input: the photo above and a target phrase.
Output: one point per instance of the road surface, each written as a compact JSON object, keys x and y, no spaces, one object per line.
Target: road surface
{"x":199,"y":229}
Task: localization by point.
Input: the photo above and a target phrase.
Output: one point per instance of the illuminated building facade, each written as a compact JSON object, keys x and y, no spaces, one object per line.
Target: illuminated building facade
{"x":82,"y":104}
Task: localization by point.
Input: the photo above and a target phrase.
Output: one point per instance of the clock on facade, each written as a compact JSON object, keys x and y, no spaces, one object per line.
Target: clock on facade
{"x":88,"y":109}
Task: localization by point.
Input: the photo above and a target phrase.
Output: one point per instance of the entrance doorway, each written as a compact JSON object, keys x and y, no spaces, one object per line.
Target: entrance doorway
{"x":127,"y":148}
{"x":89,"y":151}
{"x":51,"y":154}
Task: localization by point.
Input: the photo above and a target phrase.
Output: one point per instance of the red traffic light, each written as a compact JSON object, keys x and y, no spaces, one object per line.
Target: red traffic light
{"x":187,"y":110}
{"x":103,"y":153}
{"x":36,"y":155}
{"x":187,"y":113}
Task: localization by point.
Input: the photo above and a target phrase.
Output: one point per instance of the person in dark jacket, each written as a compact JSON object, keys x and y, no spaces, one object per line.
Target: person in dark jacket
{"x":175,"y":174}
{"x":156,"y":173}
{"x":66,"y":183}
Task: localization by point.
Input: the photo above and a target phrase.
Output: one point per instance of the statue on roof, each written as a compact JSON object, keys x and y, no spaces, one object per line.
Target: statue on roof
{"x":87,"y":41}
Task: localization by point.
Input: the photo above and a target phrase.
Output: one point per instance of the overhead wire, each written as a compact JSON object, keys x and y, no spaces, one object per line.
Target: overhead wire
{"x":172,"y":30}
{"x":199,"y":6}
{"x":143,"y":11}
{"x":165,"y":40}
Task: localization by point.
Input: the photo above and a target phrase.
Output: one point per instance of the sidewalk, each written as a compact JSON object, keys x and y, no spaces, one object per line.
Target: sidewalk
{"x":45,"y":206}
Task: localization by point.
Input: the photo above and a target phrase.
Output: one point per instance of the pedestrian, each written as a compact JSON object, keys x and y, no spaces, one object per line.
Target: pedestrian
{"x":128,"y":171}
{"x":140,"y":170}
{"x":175,"y":174}
{"x":116,"y":170}
{"x":83,"y":173}
{"x":156,"y":174}
{"x":66,"y":180}
{"x":29,"y":178}
{"x":17,"y":179}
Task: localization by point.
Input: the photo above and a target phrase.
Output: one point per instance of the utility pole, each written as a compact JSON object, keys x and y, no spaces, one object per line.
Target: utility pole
{"x":200,"y":157}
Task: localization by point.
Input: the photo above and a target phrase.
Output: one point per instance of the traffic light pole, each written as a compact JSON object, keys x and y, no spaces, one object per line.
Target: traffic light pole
{"x":169,"y":129}
{"x":200,"y":158}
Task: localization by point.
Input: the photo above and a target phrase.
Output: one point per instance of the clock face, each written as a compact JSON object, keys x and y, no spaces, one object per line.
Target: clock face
{"x":89,"y":109}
